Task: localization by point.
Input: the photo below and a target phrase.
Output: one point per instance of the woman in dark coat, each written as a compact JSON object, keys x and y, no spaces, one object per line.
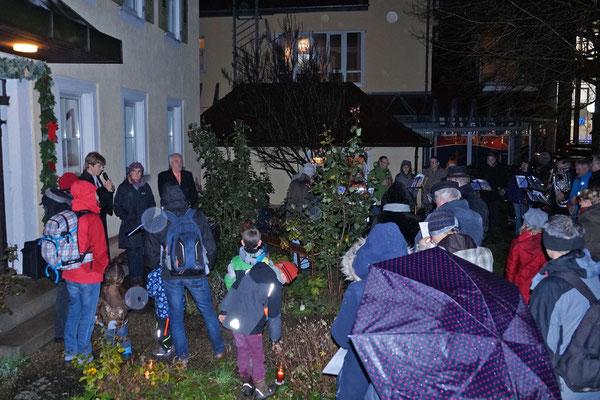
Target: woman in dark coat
{"x":133,"y":197}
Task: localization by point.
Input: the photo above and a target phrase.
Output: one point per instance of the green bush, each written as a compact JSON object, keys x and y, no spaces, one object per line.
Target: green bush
{"x":233,"y":192}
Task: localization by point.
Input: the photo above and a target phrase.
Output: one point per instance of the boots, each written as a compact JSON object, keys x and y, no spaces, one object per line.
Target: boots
{"x":248,"y":386}
{"x":262,"y":390}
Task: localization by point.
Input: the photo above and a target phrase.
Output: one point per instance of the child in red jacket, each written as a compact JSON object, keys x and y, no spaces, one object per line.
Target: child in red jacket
{"x":83,"y":283}
{"x":526,"y":255}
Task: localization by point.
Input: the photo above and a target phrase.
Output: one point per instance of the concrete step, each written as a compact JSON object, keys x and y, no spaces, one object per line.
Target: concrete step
{"x":38,"y":297}
{"x":29,"y":336}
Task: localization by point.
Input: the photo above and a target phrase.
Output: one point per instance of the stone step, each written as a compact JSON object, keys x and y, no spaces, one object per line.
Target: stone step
{"x":29,"y":336}
{"x":39,"y":295}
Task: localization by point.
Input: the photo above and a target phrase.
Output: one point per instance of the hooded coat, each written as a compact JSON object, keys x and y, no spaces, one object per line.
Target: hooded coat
{"x":556,"y":306}
{"x":406,"y":180}
{"x":298,"y":194}
{"x":130,"y":203}
{"x":590,"y":219}
{"x":525,"y":259}
{"x":174,"y":200}
{"x":384,"y":242}
{"x":90,"y":235}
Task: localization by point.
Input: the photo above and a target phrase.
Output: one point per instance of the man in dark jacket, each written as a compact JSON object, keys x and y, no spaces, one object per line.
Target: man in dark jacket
{"x":298,"y":194}
{"x":177,"y":175}
{"x":595,"y":167}
{"x":460,"y":175}
{"x":447,"y":197}
{"x":496,"y":175}
{"x":174,"y":200}
{"x":556,"y":305}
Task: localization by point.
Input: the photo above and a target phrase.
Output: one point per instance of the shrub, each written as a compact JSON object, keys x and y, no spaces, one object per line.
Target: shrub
{"x":9,"y":366}
{"x":233,"y":192}
{"x":344,"y":205}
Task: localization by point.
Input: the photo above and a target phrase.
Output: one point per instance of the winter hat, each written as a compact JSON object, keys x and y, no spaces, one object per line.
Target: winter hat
{"x":309,"y":169}
{"x":458,"y":171}
{"x":444,"y":185}
{"x":135,"y":165}
{"x":289,"y":269}
{"x":66,"y":180}
{"x":383,"y":243}
{"x":535,"y":218}
{"x":441,"y":221}
{"x":405,"y":162}
{"x":553,"y":240}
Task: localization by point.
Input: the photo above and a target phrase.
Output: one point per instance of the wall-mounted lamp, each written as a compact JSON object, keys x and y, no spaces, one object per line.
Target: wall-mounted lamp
{"x":25,"y":48}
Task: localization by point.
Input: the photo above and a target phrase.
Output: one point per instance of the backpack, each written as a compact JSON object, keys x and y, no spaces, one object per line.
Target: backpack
{"x":60,"y":247}
{"x":184,"y":241}
{"x":579,"y":365}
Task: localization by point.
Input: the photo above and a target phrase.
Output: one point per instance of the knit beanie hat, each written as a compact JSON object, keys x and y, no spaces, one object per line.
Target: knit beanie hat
{"x":535,"y":218}
{"x":309,"y":169}
{"x":289,"y":269}
{"x":441,"y":221}
{"x":561,"y":244}
{"x":135,"y":165}
{"x":66,"y":180}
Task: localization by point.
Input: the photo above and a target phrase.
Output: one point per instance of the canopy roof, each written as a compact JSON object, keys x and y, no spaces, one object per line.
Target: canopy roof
{"x":62,"y":35}
{"x":312,"y":105}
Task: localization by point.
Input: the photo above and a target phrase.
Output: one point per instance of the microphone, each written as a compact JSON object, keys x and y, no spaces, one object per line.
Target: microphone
{"x":105,"y":176}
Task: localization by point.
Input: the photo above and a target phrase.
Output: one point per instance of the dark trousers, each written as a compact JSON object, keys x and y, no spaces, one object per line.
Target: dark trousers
{"x":61,"y":310}
{"x":135,"y":262}
{"x":494,"y":227}
{"x":250,"y":347}
{"x":103,"y":219}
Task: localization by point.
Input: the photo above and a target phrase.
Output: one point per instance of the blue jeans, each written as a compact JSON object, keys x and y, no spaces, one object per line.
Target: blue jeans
{"x":119,"y":335}
{"x":520,"y":209}
{"x":61,"y":309}
{"x":200,"y":291}
{"x":83,"y":300}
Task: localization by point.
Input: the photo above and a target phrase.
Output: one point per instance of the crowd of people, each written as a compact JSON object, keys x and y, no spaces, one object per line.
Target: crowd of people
{"x":556,"y":245}
{"x":551,"y":240}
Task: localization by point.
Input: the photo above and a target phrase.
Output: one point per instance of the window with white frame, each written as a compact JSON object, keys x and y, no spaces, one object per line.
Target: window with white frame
{"x":340,"y":54}
{"x":70,"y":133}
{"x":76,"y":112}
{"x":133,"y":8}
{"x":134,"y":127}
{"x":174,"y":127}
{"x":174,"y":18}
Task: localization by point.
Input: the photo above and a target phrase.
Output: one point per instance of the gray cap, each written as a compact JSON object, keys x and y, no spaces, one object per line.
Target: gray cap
{"x":309,"y":169}
{"x":535,"y":218}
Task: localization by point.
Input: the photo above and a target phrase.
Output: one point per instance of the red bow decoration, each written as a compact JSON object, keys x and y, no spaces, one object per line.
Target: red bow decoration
{"x":52,"y":128}
{"x":51,"y":166}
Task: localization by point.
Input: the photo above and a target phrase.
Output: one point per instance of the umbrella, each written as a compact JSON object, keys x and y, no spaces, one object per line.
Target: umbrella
{"x":432,"y":325}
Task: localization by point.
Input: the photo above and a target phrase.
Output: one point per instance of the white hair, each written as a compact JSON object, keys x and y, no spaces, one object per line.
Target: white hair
{"x":448,"y":194}
{"x":174,"y":155}
{"x":564,"y":227}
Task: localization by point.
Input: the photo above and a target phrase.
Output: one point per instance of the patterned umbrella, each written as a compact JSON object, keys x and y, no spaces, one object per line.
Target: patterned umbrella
{"x":434,"y":326}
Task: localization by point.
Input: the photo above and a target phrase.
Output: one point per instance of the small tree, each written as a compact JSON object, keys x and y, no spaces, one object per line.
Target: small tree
{"x":344,"y":205}
{"x":233,"y":192}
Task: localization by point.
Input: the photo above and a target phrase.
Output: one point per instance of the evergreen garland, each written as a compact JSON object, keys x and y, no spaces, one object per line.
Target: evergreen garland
{"x":21,"y":68}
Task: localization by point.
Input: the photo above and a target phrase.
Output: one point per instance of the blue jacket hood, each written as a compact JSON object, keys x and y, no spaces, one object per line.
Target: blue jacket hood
{"x":383,"y":243}
{"x":578,"y":261}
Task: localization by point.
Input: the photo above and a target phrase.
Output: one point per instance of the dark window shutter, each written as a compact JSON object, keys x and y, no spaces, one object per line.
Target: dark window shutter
{"x":119,"y":2}
{"x":149,"y":10}
{"x":184,"y":21}
{"x":163,"y":15}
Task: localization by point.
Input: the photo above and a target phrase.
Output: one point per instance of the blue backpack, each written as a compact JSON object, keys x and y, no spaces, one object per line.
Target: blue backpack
{"x":184,"y":240}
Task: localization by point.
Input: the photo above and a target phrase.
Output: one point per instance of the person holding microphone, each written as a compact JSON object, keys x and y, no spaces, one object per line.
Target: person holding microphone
{"x":94,"y":168}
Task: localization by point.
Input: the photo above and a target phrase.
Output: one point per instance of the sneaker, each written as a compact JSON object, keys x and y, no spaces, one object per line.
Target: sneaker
{"x":248,"y":386}
{"x":220,"y":355}
{"x":263,"y":391}
{"x":160,"y":352}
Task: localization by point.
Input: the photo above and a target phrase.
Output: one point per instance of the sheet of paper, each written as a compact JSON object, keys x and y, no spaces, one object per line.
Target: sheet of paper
{"x":334,"y":365}
{"x":424,"y":229}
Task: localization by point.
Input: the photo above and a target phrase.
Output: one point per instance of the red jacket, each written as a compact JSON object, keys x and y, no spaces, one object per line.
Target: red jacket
{"x":90,"y":233}
{"x":525,"y":259}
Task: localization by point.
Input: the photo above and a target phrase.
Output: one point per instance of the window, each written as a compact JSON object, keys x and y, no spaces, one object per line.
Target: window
{"x":174,"y":126}
{"x":174,"y":18}
{"x":135,"y":5}
{"x":340,"y":54}
{"x":77,"y":132}
{"x":132,"y":11}
{"x":70,"y":134}
{"x":134,"y":127}
{"x":201,"y":45}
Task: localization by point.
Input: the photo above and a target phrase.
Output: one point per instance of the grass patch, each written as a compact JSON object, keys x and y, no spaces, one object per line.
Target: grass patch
{"x":9,"y":366}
